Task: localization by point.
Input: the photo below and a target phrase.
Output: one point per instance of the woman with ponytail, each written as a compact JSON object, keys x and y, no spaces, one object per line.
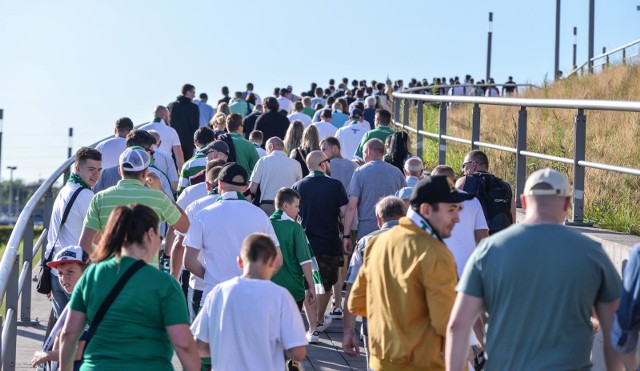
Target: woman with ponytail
{"x":146,"y":318}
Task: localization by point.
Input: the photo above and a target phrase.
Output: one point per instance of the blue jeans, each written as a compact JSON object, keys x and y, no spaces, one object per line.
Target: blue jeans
{"x":59,"y":297}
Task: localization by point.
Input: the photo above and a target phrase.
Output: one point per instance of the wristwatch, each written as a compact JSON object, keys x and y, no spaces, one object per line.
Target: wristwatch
{"x":346,"y":237}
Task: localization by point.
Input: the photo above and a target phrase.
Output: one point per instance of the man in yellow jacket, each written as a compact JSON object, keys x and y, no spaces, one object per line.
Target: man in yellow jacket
{"x":406,"y":286}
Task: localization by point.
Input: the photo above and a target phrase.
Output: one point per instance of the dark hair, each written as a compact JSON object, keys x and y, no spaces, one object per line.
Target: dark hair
{"x":251,"y":99}
{"x":234,"y":122}
{"x":258,"y":247}
{"x":212,"y":170}
{"x":87,"y":153}
{"x":298,"y":106}
{"x":326,"y":114}
{"x":285,"y":195}
{"x":127,"y":224}
{"x":332,"y":82}
{"x":187,"y":88}
{"x":225,"y":90}
{"x":204,"y":96}
{"x":331,"y":100}
{"x":249,"y":86}
{"x":390,"y":208}
{"x":385,"y":117}
{"x":124,"y":124}
{"x":140,"y":138}
{"x":272,"y":104}
{"x":479,"y":157}
{"x":398,"y":152}
{"x":276,"y":91}
{"x":332,"y":141}
{"x":204,"y":135}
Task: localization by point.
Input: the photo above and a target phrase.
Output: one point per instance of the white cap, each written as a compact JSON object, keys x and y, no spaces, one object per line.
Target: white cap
{"x":134,"y":159}
{"x":556,"y":182}
{"x":69,"y":254}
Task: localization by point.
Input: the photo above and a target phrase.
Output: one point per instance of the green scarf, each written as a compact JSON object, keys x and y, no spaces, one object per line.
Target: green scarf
{"x":316,"y":174}
{"x":75,"y":178}
{"x":240,"y":197}
{"x":214,"y":191}
{"x":277,"y":215}
{"x":418,"y":220}
{"x":157,"y":119}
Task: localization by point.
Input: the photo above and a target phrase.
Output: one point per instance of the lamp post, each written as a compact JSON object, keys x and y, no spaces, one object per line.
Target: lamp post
{"x":556,"y":68}
{"x":592,"y":10}
{"x":11,"y":169}
{"x":489,"y":46}
{"x":575,"y":46}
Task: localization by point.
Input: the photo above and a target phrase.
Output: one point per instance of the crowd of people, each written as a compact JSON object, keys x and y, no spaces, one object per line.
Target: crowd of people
{"x":209,"y":231}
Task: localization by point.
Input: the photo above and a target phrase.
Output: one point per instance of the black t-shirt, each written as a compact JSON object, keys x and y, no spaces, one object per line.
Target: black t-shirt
{"x":249,"y":124}
{"x":321,"y":199}
{"x":272,"y":124}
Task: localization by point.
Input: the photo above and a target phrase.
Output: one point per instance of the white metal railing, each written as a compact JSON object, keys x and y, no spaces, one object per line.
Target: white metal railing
{"x":404,"y":101}
{"x":629,"y":53}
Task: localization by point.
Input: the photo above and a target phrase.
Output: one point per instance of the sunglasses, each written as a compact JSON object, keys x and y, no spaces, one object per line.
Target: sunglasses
{"x":325,"y":160}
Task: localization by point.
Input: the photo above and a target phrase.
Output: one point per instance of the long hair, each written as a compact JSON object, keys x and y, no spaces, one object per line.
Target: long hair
{"x":398,"y":151}
{"x":223,"y":108}
{"x":310,"y":139}
{"x":293,"y":138}
{"x":126,"y":225}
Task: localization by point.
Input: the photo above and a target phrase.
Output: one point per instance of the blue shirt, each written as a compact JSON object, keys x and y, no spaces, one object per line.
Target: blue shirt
{"x":206,"y":112}
{"x":338,"y":119}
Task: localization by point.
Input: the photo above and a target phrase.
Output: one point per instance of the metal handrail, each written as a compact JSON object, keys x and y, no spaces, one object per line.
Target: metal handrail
{"x":445,"y":86}
{"x":520,"y":150}
{"x":605,"y":56}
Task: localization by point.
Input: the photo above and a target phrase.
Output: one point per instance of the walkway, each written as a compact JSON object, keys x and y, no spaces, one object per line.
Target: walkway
{"x":326,"y":355}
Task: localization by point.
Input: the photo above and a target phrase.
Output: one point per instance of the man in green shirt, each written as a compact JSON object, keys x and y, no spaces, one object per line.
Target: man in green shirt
{"x":245,"y":152}
{"x":134,"y":163}
{"x":195,"y":164}
{"x":382,"y":131}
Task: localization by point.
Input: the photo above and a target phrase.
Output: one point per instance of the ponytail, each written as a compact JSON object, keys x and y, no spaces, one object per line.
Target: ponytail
{"x":127,"y":224}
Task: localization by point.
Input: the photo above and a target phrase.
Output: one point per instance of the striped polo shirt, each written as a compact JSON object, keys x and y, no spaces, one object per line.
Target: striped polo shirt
{"x":191,"y":168}
{"x":128,"y":191}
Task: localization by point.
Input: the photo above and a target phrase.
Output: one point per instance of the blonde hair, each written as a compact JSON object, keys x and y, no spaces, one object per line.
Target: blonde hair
{"x":224,"y":109}
{"x":311,"y":139}
{"x":293,"y":138}
{"x":218,"y":122}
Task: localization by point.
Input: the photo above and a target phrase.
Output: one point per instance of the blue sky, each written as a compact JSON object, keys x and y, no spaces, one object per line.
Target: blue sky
{"x":83,"y":64}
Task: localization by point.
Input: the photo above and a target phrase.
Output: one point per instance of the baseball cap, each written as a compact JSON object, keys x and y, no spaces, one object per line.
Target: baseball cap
{"x":69,"y":254}
{"x":216,"y":145}
{"x":434,"y":189}
{"x":556,"y":184}
{"x":230,"y":171}
{"x":134,"y":159}
{"x":356,"y":113}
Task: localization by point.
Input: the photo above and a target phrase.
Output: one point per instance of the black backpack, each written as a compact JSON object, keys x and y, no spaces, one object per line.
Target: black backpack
{"x":232,"y":148}
{"x":495,"y":196}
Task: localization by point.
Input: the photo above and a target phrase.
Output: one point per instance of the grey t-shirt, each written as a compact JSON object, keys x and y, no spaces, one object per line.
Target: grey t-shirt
{"x":539,"y":283}
{"x":342,"y":169}
{"x":371,"y":182}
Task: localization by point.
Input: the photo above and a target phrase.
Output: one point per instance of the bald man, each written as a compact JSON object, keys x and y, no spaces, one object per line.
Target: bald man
{"x":272,"y":172}
{"x":169,"y":140}
{"x":323,"y":201}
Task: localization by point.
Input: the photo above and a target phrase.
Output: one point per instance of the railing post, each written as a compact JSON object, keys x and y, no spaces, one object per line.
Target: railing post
{"x":475,"y":126}
{"x":579,"y":141}
{"x":1,"y":328}
{"x":419,"y":128}
{"x":442,"y":144}
{"x":27,"y":252}
{"x":405,"y":112}
{"x":396,"y":109}
{"x":521,"y":160}
{"x":624,"y":56}
{"x":9,"y":355}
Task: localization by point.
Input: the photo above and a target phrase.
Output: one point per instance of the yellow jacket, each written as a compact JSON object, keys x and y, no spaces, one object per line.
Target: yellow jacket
{"x":406,"y":289}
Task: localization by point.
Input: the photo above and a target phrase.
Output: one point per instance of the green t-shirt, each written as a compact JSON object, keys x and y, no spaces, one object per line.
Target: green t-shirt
{"x":132,"y":335}
{"x":246,"y":154}
{"x":381,"y":132}
{"x":539,"y":283}
{"x":309,"y":111}
{"x":295,"y":252}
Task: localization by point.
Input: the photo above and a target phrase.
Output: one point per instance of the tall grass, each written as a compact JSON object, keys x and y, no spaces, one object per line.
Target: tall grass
{"x":611,"y":200}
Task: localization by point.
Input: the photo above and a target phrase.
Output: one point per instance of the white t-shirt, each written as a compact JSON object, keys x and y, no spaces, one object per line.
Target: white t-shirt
{"x":325,"y":129}
{"x":249,"y":323}
{"x":196,"y":282}
{"x":191,"y":194}
{"x":462,"y":241}
{"x":285,"y":104}
{"x":168,"y":135}
{"x":219,"y":229}
{"x":111,"y":150}
{"x":275,"y":171}
{"x":303,"y":117}
{"x":70,"y":234}
{"x":349,"y":137}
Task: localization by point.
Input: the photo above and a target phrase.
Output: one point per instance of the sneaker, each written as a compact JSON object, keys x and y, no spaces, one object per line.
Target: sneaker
{"x":313,"y":337}
{"x":327,"y":322}
{"x":336,"y":313}
{"x":293,"y":365}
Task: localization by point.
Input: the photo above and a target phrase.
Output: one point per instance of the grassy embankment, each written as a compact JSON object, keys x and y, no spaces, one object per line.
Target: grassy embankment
{"x":612,"y":200}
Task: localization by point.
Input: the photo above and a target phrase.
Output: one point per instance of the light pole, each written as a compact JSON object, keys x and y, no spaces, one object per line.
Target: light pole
{"x":11,"y":169}
{"x":556,"y":67}
{"x":575,"y":46}
{"x":489,"y":47}
{"x":592,"y":10}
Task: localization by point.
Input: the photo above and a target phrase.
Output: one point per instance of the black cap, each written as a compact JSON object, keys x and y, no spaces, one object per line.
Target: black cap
{"x":230,"y":171}
{"x":216,"y":145}
{"x":434,"y":189}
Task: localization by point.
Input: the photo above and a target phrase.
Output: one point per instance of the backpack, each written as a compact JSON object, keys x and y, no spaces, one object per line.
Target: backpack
{"x":232,"y":148}
{"x":495,"y":196}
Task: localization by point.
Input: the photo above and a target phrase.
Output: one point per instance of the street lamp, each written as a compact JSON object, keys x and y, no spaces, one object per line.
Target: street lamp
{"x":11,"y":169}
{"x":575,"y":46}
{"x":592,"y":11}
{"x":556,"y":68}
{"x":489,"y":47}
